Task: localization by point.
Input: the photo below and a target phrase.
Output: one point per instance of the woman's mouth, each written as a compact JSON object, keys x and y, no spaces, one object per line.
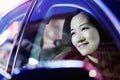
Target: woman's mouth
{"x":82,"y":45}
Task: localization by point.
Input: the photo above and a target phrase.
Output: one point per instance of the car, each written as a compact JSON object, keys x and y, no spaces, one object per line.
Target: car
{"x":36,"y":47}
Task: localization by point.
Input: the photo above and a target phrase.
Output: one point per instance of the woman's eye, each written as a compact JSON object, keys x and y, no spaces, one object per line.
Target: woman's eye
{"x":85,"y":28}
{"x":72,"y":33}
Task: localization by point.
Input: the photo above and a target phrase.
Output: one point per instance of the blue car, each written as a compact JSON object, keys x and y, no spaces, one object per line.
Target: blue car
{"x":39,"y":40}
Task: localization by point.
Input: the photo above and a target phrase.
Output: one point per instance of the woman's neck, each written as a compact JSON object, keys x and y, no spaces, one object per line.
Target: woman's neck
{"x":93,"y":59}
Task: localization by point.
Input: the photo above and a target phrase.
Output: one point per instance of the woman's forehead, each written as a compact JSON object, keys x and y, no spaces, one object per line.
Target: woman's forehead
{"x":79,"y":19}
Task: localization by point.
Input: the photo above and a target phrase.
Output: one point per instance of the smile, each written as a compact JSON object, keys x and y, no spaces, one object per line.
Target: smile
{"x":82,"y":45}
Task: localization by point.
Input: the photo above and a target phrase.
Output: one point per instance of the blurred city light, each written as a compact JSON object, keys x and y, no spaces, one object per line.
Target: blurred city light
{"x":32,"y":61}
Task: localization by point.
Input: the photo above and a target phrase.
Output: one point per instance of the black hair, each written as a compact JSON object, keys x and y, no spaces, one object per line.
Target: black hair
{"x":105,"y":36}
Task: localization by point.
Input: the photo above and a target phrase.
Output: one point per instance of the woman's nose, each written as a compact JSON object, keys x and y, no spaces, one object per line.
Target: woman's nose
{"x":80,"y":38}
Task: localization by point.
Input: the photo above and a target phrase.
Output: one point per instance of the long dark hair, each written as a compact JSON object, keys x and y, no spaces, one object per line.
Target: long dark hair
{"x":108,"y":52}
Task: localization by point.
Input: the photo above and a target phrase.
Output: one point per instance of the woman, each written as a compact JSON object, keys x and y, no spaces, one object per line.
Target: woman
{"x":95,"y":43}
{"x":84,"y":36}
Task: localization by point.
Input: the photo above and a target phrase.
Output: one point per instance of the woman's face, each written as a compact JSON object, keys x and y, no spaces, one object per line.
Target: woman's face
{"x":85,"y":36}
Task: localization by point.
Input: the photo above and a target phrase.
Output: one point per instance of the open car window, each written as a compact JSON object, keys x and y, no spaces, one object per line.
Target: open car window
{"x":51,"y":38}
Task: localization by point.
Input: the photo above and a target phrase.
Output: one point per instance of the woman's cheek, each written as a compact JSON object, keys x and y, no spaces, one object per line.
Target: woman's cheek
{"x":73,"y":41}
{"x":88,"y":35}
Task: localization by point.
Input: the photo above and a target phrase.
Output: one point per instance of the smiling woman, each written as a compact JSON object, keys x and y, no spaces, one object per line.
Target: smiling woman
{"x":84,"y":34}
{"x":94,"y":42}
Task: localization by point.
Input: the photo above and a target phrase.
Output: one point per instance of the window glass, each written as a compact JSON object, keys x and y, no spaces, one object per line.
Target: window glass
{"x":71,"y":35}
{"x":10,"y":25}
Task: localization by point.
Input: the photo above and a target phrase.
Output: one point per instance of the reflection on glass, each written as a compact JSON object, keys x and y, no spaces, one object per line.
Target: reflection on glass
{"x":6,"y":43}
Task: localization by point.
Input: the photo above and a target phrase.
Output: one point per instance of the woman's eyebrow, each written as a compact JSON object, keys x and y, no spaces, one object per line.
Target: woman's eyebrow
{"x":83,"y":24}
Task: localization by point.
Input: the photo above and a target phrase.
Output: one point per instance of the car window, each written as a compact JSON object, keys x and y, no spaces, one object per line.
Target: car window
{"x":72,"y":33}
{"x":51,"y":39}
